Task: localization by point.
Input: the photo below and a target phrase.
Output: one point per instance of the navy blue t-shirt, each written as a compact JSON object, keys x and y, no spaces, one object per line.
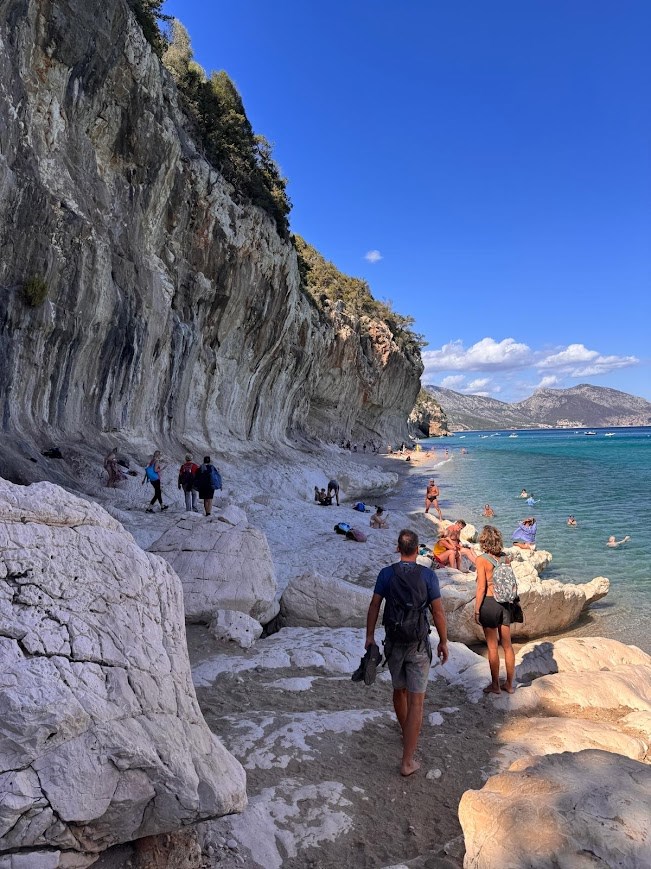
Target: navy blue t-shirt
{"x":431,"y":581}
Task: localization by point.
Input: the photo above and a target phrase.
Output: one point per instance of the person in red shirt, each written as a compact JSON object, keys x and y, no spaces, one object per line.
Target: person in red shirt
{"x":187,"y":482}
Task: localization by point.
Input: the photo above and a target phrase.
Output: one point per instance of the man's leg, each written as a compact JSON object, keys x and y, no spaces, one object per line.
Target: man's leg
{"x":400,"y":706}
{"x":410,"y":732}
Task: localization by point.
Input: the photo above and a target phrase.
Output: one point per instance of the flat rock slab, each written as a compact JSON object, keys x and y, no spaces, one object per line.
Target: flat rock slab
{"x":583,"y":809}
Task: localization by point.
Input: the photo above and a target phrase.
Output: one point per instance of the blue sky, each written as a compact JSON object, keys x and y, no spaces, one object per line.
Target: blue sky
{"x":485,"y":166}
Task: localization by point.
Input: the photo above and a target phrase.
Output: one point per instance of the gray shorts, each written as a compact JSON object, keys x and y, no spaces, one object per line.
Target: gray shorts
{"x":409,"y":667}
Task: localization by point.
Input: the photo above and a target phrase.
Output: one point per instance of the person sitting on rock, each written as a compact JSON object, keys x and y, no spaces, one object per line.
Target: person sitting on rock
{"x":379,"y":519}
{"x":447,"y":551}
{"x":524,"y":536}
{"x":321,"y":497}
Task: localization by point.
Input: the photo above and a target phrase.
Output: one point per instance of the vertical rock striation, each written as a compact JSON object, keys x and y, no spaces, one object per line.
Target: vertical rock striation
{"x":172,"y":309}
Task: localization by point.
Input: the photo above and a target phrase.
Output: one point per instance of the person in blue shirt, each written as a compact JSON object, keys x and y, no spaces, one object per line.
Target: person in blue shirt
{"x":408,"y":656}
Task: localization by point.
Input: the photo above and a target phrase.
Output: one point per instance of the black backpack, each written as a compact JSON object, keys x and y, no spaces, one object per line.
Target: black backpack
{"x":405,"y":605}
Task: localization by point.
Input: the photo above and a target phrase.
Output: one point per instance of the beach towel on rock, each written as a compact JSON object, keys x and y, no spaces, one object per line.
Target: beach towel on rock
{"x":356,"y":534}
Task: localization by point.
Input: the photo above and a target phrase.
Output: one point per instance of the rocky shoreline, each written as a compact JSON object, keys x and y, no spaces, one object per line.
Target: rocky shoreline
{"x":320,"y":752}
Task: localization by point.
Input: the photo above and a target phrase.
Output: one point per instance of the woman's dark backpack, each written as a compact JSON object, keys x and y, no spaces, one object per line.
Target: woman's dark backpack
{"x":405,"y":606}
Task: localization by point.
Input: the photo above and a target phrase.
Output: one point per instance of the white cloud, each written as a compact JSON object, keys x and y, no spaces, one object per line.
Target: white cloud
{"x":373,"y":256}
{"x":485,"y":355}
{"x":577,"y":361}
{"x":547,"y":381}
{"x":479,"y":383}
{"x":452,"y":381}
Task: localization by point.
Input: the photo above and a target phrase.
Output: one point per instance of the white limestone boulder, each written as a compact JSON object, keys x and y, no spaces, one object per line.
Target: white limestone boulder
{"x":235,"y":627}
{"x":539,"y":559}
{"x":574,"y":655}
{"x":538,"y":736}
{"x":221,"y":566}
{"x":101,"y":737}
{"x":549,"y":606}
{"x":574,"y":809}
{"x":310,"y":600}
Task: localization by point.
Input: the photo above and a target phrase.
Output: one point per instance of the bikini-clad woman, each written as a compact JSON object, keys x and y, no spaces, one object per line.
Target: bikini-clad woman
{"x":494,"y":617}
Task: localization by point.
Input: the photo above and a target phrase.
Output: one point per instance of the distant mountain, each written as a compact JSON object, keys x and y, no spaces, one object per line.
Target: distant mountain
{"x":582,"y":406}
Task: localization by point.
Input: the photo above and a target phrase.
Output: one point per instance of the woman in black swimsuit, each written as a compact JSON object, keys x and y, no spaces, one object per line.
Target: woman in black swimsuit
{"x":494,"y":617}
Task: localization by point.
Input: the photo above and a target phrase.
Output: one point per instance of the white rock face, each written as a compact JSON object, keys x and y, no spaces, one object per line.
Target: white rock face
{"x":575,"y":809}
{"x":101,"y":737}
{"x":573,"y":655}
{"x":311,"y":600}
{"x":236,"y":627}
{"x":220,"y":566}
{"x":549,"y":606}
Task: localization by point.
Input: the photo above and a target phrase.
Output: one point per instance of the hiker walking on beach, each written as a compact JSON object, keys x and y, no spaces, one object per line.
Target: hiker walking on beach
{"x":208,"y":480}
{"x":431,"y":498}
{"x":333,"y":489}
{"x":409,"y":590}
{"x":152,"y":473}
{"x":188,"y":482}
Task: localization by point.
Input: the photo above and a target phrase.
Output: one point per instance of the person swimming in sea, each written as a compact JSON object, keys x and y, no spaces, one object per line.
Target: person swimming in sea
{"x":523,"y":494}
{"x":571,"y":521}
{"x":612,"y":542}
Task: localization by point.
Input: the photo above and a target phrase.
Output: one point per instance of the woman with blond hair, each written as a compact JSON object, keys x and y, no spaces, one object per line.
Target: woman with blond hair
{"x":494,"y":617}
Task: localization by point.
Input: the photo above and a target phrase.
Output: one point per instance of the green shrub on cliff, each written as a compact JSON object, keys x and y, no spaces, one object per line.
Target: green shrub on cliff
{"x":148,"y":13}
{"x":321,"y":280}
{"x":34,"y":291}
{"x":225,"y":132}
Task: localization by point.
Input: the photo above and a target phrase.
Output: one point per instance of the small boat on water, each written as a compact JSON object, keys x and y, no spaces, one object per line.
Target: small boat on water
{"x":590,"y":433}
{"x":513,"y":435}
{"x":609,"y":434}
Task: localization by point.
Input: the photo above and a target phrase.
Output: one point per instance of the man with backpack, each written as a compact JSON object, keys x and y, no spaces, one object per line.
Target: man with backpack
{"x":188,"y":482}
{"x":208,"y":480}
{"x":409,"y":590}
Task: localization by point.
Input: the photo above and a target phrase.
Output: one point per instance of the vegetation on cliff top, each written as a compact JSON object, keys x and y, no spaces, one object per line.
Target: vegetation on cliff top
{"x":215,"y":106}
{"x":322,"y":281}
{"x":245,"y":160}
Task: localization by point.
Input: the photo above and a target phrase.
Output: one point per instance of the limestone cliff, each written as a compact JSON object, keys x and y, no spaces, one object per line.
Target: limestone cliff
{"x":172,"y":310}
{"x":428,"y":419}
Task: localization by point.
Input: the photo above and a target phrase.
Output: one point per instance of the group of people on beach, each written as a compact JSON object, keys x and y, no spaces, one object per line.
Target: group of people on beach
{"x":198,"y":482}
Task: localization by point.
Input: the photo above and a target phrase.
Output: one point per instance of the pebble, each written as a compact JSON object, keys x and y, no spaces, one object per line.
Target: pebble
{"x":232,"y":844}
{"x":433,"y":773}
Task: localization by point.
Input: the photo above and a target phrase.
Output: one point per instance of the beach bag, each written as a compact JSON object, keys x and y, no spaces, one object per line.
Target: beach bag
{"x":405,"y":606}
{"x":356,"y":534}
{"x":505,"y":585}
{"x":342,"y":527}
{"x":150,"y":473}
{"x":215,"y":477}
{"x":360,"y":506}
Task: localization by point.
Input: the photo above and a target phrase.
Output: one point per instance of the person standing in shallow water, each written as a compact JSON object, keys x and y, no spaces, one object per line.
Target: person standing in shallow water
{"x":494,"y":617}
{"x":409,"y":660}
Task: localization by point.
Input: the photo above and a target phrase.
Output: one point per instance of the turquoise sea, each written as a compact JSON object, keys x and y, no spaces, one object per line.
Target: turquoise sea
{"x":604,"y":480}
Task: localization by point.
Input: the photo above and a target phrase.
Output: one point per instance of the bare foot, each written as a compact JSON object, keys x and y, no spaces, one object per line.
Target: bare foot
{"x":409,"y":768}
{"x":508,"y":688}
{"x":492,"y":689}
